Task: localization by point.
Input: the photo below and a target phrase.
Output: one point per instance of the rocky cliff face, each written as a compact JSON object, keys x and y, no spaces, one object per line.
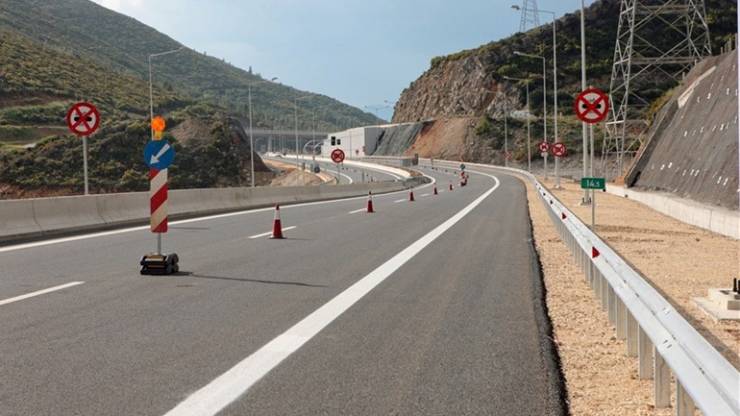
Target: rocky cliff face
{"x":455,"y":88}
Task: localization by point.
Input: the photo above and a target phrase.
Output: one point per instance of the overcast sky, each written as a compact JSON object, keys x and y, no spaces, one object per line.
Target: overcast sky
{"x":361,"y":52}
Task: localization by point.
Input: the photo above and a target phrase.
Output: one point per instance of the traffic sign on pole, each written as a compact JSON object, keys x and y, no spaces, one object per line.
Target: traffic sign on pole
{"x":593,"y":183}
{"x":544,"y":147}
{"x":559,"y":149}
{"x":337,"y":155}
{"x":591,"y":106}
{"x":462,"y":166}
{"x":159,"y":154}
{"x":83,"y":119}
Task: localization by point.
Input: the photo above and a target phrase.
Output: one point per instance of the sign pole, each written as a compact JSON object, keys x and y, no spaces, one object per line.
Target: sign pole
{"x":84,"y":164}
{"x":591,"y":173}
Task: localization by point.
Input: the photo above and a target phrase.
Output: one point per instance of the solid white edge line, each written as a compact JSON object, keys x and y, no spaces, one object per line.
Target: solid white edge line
{"x":400,"y":200}
{"x":357,"y":210}
{"x":196,"y":219}
{"x":229,"y":386}
{"x":292,"y":227}
{"x":39,"y":292}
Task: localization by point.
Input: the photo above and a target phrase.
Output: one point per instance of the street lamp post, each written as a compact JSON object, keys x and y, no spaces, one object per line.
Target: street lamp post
{"x":251,"y":137}
{"x":555,"y":86}
{"x":586,"y":199}
{"x":151,"y":88}
{"x":544,"y":94}
{"x":529,"y":134}
{"x":295,"y":109}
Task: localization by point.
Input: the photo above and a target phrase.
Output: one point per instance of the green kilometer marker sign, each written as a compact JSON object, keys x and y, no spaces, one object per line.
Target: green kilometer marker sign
{"x":593,"y":183}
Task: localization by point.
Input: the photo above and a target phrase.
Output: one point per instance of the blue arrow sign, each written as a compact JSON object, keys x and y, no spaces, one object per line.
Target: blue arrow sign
{"x":158,"y":154}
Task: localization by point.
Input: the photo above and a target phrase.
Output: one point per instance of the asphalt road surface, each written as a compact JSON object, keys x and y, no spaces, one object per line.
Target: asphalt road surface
{"x":430,"y":307}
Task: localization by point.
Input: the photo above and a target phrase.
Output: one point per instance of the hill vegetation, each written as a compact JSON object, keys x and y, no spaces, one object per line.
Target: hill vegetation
{"x":54,"y":53}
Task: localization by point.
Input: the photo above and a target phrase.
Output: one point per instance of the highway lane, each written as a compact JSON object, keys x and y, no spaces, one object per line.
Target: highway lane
{"x":454,"y":328}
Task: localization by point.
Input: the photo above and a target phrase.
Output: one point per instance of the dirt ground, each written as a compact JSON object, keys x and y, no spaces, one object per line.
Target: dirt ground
{"x":680,"y":260}
{"x":443,"y":139}
{"x":290,"y":176}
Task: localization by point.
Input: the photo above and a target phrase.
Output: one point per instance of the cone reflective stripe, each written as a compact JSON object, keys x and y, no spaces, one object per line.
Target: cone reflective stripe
{"x":411,"y":196}
{"x":435,"y":190}
{"x":158,"y":200}
{"x":370,"y":202}
{"x":277,"y":227}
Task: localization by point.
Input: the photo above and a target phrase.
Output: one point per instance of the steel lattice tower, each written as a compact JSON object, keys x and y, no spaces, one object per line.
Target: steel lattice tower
{"x":658,"y":41}
{"x":530,"y":15}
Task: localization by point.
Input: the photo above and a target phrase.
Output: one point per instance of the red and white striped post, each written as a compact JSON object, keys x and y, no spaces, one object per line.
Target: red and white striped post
{"x":158,"y":204}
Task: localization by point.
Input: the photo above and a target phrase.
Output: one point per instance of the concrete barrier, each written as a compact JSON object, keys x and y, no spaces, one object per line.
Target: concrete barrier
{"x":28,"y":219}
{"x":716,"y":219}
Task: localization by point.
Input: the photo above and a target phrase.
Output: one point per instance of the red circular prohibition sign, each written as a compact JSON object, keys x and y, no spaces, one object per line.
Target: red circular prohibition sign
{"x":83,"y":119}
{"x":337,"y":155}
{"x":591,"y":106}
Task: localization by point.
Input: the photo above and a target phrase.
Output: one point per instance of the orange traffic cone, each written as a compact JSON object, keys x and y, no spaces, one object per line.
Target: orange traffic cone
{"x":370,"y":202}
{"x":411,"y":196}
{"x":435,"y":190}
{"x":277,"y":227}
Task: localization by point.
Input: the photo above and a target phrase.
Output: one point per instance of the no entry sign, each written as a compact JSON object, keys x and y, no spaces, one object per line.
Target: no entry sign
{"x":591,"y":106}
{"x":83,"y":119}
{"x":559,"y":149}
{"x":544,"y":147}
{"x":337,"y":155}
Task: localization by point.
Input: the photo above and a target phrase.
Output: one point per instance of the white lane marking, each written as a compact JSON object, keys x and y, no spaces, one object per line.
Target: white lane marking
{"x":270,"y":232}
{"x":197,"y":219}
{"x":39,"y":292}
{"x":400,"y":200}
{"x":358,"y":210}
{"x":423,"y":195}
{"x":227,"y":387}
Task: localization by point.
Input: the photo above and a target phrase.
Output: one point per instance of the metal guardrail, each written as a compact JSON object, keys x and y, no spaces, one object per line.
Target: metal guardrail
{"x":655,"y":333}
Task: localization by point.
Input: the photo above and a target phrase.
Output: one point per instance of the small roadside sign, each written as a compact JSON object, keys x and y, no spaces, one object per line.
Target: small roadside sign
{"x":591,"y":106}
{"x":159,"y":154}
{"x":337,"y":156}
{"x":559,"y":149}
{"x":544,"y":147}
{"x":462,"y":166}
{"x":83,"y":119}
{"x":593,"y":183}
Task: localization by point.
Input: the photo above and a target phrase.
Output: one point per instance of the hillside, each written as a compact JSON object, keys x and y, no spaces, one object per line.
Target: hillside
{"x":470,"y":84}
{"x":81,"y":29}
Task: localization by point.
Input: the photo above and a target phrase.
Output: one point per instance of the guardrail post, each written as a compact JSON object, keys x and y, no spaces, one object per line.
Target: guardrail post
{"x":612,"y":305}
{"x":621,"y":320}
{"x":644,"y":355}
{"x":684,"y":404}
{"x":631,"y":335}
{"x":662,"y":381}
{"x":604,"y":291}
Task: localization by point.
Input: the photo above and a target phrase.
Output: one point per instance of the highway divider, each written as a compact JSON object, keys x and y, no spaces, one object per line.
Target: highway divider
{"x":29,"y":219}
{"x":663,"y":341}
